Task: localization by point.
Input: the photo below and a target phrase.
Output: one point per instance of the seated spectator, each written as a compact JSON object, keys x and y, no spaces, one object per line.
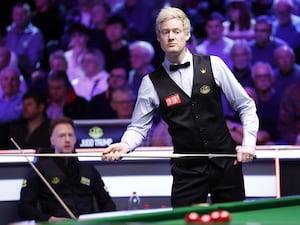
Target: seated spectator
{"x":95,"y":78}
{"x":268,"y":99}
{"x":216,"y":43}
{"x":287,"y":71}
{"x":79,"y":37}
{"x":99,"y":14}
{"x":25,"y":40}
{"x":160,"y":135}
{"x":11,"y":99}
{"x":141,"y":55}
{"x":99,"y":106}
{"x":264,"y":44}
{"x":76,"y":183}
{"x":289,"y":113}
{"x":32,"y":131}
{"x":117,"y":50}
{"x":239,"y":24}
{"x":287,"y":25}
{"x":8,"y":58}
{"x":58,"y":61}
{"x":241,"y":58}
{"x":122,"y":101}
{"x":62,"y":100}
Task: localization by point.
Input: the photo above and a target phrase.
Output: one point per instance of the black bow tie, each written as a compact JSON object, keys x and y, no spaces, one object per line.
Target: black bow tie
{"x":179,"y":66}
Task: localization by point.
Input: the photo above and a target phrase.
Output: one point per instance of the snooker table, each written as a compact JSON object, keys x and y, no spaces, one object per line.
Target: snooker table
{"x":284,"y":211}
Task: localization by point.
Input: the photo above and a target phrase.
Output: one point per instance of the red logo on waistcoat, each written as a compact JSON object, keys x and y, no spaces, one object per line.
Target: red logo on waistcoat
{"x":173,"y":100}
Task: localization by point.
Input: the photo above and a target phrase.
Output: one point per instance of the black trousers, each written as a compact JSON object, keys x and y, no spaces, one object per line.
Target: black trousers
{"x":194,"y":179}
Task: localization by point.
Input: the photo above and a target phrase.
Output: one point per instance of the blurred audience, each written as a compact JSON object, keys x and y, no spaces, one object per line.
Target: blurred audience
{"x":99,"y":106}
{"x":122,"y":101}
{"x":25,"y":40}
{"x":239,"y":24}
{"x":62,"y":100}
{"x":289,"y":114}
{"x":241,"y":59}
{"x":95,"y":78}
{"x":117,"y":50}
{"x":287,"y":71}
{"x":141,"y":55}
{"x":264,"y":44}
{"x":216,"y":43}
{"x":32,"y":131}
{"x":268,"y":99}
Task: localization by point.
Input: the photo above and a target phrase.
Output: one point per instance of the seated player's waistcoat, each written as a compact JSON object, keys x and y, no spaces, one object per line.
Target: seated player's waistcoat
{"x":196,"y":123}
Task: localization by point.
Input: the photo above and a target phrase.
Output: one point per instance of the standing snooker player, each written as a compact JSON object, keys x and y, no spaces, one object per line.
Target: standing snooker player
{"x":187,"y":91}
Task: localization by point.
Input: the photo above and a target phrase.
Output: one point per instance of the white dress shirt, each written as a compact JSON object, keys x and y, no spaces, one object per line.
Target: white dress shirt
{"x":148,"y":100}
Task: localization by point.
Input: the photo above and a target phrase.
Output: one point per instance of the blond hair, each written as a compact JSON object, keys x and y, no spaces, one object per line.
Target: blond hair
{"x":168,"y":13}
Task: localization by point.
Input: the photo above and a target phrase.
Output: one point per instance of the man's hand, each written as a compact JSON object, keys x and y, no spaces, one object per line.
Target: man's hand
{"x":114,"y":151}
{"x":245,"y":153}
{"x":55,"y":219}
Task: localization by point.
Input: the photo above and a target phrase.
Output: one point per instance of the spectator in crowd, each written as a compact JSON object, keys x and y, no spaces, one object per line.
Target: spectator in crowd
{"x":141,"y":55}
{"x":264,"y":44}
{"x":216,"y":43}
{"x":39,"y":82}
{"x":241,"y":59}
{"x":99,"y":15}
{"x":139,"y":18}
{"x":286,"y":25}
{"x":79,"y":37}
{"x":49,"y":17}
{"x":117,"y":50}
{"x":25,"y":40}
{"x":58,"y":61}
{"x":268,"y":99}
{"x":95,"y":78}
{"x":11,"y":99}
{"x":287,"y":71}
{"x":79,"y":13}
{"x":62,"y":100}
{"x":122,"y":101}
{"x":8,"y":59}
{"x":239,"y":24}
{"x":289,"y":114}
{"x":76,"y":183}
{"x":32,"y":131}
{"x":99,"y":106}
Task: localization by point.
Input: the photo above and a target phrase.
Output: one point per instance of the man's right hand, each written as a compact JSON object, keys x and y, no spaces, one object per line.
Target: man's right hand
{"x":55,"y":219}
{"x":114,"y":151}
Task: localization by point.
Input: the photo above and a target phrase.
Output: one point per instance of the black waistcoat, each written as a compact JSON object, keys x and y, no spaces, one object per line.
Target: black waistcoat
{"x":196,"y":123}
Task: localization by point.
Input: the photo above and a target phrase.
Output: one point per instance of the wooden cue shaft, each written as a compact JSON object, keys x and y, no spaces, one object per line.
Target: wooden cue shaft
{"x":129,"y":155}
{"x":46,"y":183}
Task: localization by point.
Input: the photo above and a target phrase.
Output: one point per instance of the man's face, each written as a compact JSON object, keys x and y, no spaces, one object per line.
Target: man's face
{"x":285,"y":60}
{"x":57,"y":90}
{"x":262,"y":33}
{"x":214,"y":30}
{"x":114,"y":32}
{"x":20,"y":17}
{"x":262,"y":79}
{"x":283,"y":12}
{"x":122,"y":103}
{"x":10,"y":83}
{"x":31,"y":109}
{"x":240,"y":57}
{"x":172,"y":37}
{"x":117,"y":78}
{"x":63,"y":138}
{"x":90,"y":65}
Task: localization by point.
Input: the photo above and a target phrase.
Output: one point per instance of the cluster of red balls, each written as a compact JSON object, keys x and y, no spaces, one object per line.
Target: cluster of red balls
{"x":214,"y":216}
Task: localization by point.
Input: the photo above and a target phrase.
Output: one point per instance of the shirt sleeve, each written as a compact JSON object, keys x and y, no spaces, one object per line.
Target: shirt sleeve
{"x":238,"y":99}
{"x":142,"y":116}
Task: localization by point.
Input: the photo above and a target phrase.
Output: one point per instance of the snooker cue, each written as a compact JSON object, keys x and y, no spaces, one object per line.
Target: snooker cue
{"x":46,"y":182}
{"x":128,"y":155}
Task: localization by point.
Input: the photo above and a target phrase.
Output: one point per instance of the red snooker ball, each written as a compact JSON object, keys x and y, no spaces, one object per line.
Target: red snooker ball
{"x":215,"y":216}
{"x":192,"y":217}
{"x":225,"y":216}
{"x":205,"y":218}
